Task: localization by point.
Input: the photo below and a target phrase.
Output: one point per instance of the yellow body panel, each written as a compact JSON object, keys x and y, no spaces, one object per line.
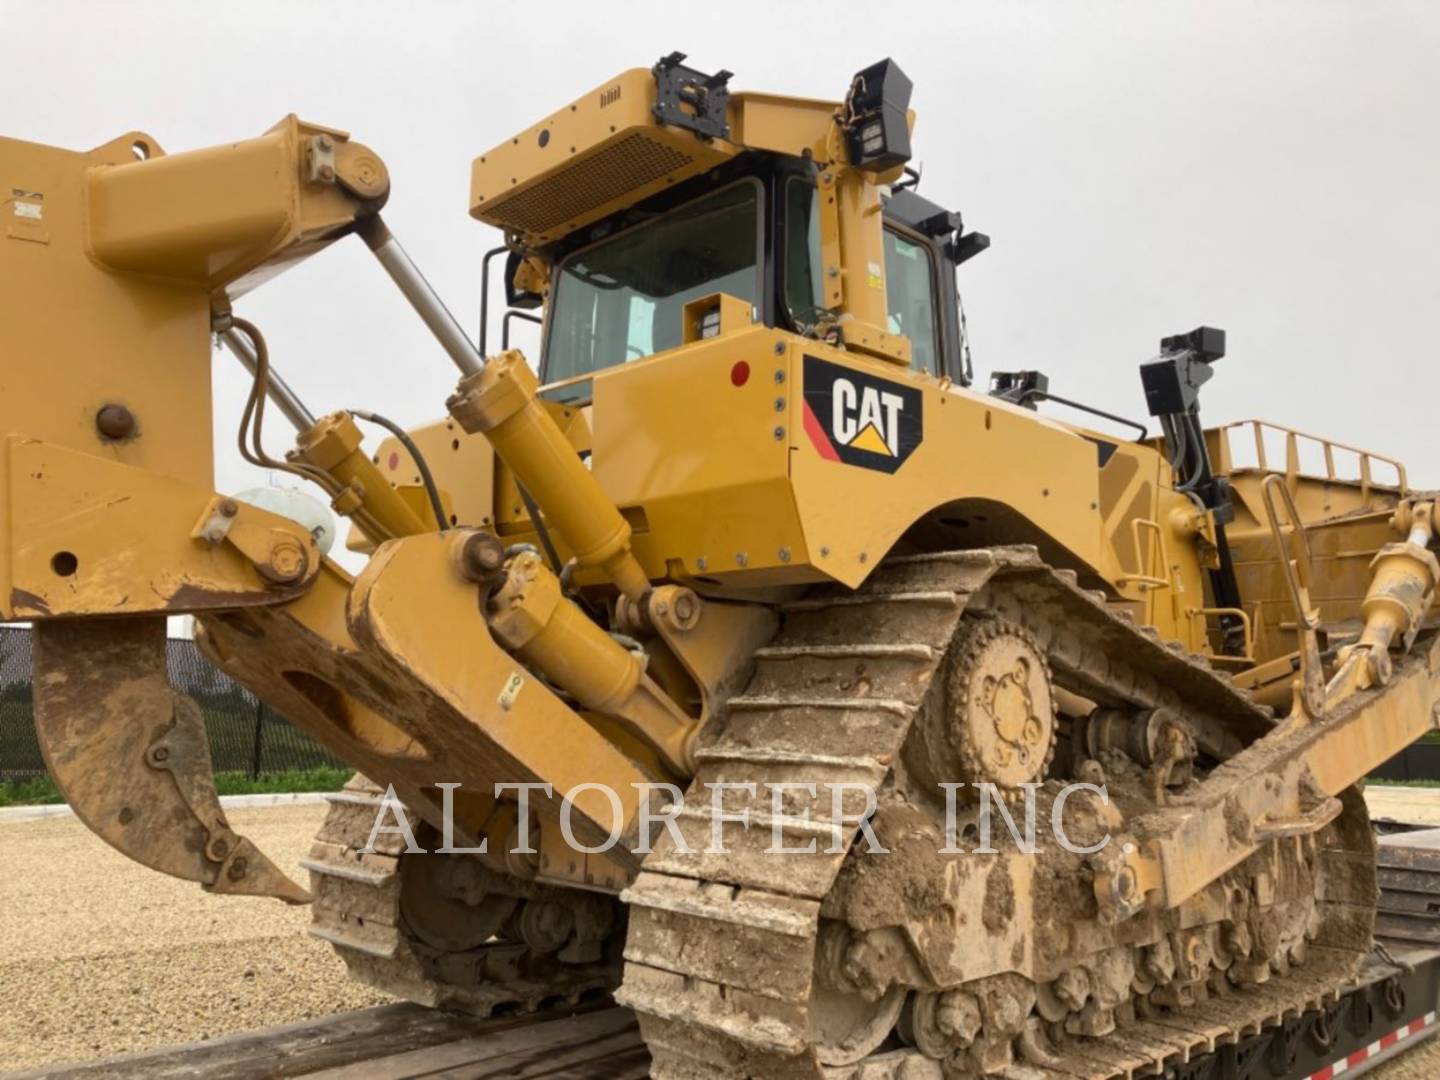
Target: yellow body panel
{"x":977,"y":456}
{"x":465,"y":475}
{"x":596,"y":155}
{"x":215,"y":217}
{"x":727,"y":488}
{"x":78,"y":333}
{"x":784,"y":125}
{"x":1350,"y":503}
{"x":93,"y":537}
{"x":698,"y":459}
{"x":730,"y":486}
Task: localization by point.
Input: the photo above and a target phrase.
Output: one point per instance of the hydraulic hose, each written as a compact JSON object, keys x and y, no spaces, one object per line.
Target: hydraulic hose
{"x":421,"y":465}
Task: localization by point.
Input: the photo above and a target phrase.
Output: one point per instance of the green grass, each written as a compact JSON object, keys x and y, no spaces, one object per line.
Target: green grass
{"x":33,"y":792}
{"x":41,"y":790}
{"x":320,"y":778}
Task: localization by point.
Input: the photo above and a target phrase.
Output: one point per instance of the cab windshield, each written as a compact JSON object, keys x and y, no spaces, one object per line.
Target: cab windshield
{"x":622,"y":299}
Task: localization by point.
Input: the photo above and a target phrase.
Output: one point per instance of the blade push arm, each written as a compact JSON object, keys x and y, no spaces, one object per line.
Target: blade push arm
{"x":1287,"y":784}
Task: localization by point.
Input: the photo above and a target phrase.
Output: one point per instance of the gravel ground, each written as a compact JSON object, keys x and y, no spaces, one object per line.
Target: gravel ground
{"x":1421,"y":1063}
{"x":100,"y":956}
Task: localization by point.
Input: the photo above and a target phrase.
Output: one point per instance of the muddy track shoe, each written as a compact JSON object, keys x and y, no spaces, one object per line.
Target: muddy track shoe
{"x":829,"y":961}
{"x":414,"y":927}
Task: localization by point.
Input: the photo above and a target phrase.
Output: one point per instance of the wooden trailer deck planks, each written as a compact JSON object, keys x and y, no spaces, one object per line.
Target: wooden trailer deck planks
{"x":1409,"y":875}
{"x":398,"y":1042}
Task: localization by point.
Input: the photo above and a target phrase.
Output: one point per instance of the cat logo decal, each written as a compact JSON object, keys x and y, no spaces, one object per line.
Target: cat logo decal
{"x":859,"y":418}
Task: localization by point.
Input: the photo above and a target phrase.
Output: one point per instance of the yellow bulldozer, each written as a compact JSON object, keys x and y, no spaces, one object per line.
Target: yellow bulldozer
{"x":724,"y":658}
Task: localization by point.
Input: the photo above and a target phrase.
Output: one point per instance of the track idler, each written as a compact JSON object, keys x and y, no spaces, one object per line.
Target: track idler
{"x":129,"y":754}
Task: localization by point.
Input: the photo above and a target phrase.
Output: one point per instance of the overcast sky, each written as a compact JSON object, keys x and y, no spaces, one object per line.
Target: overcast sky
{"x":1142,"y":167}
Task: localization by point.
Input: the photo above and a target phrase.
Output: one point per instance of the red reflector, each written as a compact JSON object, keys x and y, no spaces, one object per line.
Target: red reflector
{"x":394,"y":461}
{"x":740,"y":373}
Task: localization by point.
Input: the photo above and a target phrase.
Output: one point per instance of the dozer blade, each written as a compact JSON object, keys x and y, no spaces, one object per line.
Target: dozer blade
{"x":130,"y":756}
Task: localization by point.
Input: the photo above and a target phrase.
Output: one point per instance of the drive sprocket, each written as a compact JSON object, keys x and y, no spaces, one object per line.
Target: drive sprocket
{"x":994,"y":722}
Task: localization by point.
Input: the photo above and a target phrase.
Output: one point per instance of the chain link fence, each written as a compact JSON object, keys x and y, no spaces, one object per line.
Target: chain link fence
{"x":249,"y":738}
{"x":245,"y":735}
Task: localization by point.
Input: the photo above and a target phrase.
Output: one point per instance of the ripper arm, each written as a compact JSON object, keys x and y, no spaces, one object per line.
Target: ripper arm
{"x":116,"y":517}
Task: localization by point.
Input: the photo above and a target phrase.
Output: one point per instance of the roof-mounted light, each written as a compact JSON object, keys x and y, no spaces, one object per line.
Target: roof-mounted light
{"x":877,"y":126}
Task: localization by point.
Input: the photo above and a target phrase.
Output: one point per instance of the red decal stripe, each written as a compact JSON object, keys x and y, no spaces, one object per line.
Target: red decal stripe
{"x":823,"y":445}
{"x":1386,"y":1042}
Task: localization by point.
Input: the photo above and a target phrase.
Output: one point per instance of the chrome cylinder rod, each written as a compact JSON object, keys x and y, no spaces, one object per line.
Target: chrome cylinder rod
{"x":279,"y":391}
{"x":422,"y":297}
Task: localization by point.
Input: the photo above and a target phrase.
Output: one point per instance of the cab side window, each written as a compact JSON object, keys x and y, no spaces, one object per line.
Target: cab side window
{"x":804,"y":289}
{"x":910,"y":279}
{"x":910,"y":295}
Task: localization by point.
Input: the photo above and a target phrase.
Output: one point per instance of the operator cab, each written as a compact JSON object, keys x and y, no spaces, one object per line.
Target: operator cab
{"x":751,"y":230}
{"x":661,"y":188}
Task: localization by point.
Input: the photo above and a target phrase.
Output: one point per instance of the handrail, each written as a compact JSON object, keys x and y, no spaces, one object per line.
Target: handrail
{"x":1141,"y":551}
{"x":1292,"y":470}
{"x":1292,"y":545}
{"x":1247,"y":628}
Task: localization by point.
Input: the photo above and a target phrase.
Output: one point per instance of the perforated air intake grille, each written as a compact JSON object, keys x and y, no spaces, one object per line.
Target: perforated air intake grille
{"x":633,"y":162}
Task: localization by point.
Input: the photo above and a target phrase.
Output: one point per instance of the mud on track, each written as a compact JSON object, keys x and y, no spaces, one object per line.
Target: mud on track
{"x":100,"y":956}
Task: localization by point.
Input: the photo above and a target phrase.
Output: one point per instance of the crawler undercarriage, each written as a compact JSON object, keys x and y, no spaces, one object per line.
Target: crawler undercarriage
{"x":845,"y":962}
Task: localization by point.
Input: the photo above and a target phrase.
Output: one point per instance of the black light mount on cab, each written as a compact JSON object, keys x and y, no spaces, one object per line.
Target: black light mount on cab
{"x":946,"y":227}
{"x":1172,"y":384}
{"x":876,"y":121}
{"x":959,"y":245}
{"x":1019,"y":387}
{"x":687,"y":98}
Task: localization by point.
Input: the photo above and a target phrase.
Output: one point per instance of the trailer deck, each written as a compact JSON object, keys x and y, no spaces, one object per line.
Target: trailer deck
{"x":1391,"y":1007}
